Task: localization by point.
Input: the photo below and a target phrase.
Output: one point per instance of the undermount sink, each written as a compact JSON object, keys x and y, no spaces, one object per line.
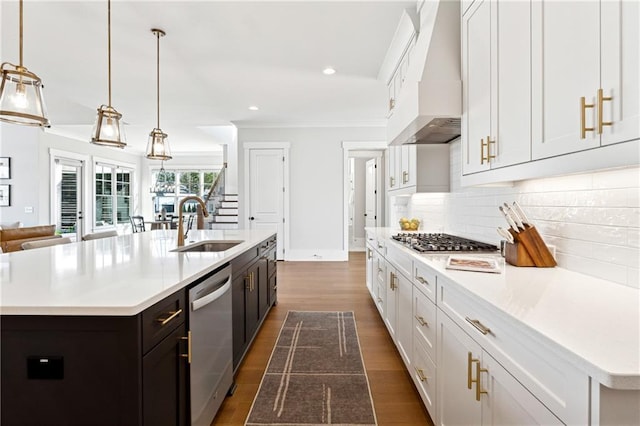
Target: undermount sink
{"x":207,"y":246}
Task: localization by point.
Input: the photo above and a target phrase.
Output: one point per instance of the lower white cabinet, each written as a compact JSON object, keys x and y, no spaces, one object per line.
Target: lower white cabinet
{"x":390,"y":314}
{"x":404,"y":331}
{"x":474,"y":389}
{"x":369,"y":273}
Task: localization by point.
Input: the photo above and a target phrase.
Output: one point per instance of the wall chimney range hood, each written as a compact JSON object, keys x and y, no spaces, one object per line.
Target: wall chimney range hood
{"x":429,"y":105}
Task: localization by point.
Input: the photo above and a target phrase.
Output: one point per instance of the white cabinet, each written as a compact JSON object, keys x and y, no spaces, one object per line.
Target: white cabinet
{"x":585,"y":82}
{"x":380,"y":282}
{"x":418,"y":168}
{"x":496,"y":67}
{"x":391,"y":312}
{"x":475,"y":389}
{"x":369,"y":269}
{"x":404,"y":331}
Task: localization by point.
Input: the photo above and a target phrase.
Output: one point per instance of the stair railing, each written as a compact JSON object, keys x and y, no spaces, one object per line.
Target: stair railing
{"x":216,"y":190}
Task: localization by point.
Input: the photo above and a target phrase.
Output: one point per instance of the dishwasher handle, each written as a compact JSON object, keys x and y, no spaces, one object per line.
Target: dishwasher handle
{"x":211,"y":297}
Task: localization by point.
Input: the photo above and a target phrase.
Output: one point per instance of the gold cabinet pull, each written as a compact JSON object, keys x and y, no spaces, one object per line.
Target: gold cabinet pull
{"x":247,"y":282}
{"x":470,"y":361}
{"x":421,"y":321}
{"x":392,"y":181}
{"x":486,"y":144}
{"x":421,"y":280}
{"x":369,"y":254}
{"x":421,"y":375}
{"x":478,"y":382}
{"x":172,"y":315}
{"x":489,"y":156}
{"x":601,"y":99}
{"x":188,"y":354}
{"x":583,"y":118}
{"x":478,"y":325}
{"x":405,"y":177}
{"x":380,"y":300}
{"x":392,"y":103}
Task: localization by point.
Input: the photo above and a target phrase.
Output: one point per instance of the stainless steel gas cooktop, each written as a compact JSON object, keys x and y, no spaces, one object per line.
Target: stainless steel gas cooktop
{"x":443,"y":243}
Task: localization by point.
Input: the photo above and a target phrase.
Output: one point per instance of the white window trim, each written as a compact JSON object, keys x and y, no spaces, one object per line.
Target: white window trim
{"x":95,"y":160}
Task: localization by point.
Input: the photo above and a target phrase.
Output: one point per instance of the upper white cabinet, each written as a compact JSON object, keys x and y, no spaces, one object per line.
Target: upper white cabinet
{"x":496,"y":66}
{"x":538,"y":88}
{"x":585,"y":82}
{"x":418,"y":168}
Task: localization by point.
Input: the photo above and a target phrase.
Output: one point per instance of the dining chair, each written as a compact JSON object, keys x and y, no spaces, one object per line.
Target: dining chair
{"x":45,"y":243}
{"x":137,"y":223}
{"x":98,"y":235}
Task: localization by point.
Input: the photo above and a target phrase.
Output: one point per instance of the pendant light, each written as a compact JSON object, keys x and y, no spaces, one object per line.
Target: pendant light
{"x":108,"y":130}
{"x":21,"y":99}
{"x":158,"y":146}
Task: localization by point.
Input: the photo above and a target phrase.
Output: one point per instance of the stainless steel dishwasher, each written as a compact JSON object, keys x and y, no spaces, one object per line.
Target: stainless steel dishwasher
{"x":211,"y":370}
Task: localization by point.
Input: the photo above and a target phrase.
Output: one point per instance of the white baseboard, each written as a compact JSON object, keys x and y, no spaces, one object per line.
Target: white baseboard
{"x":317,"y":255}
{"x":357,"y":244}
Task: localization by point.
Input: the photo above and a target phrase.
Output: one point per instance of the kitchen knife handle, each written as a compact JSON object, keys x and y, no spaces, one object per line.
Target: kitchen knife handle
{"x":521,"y":213}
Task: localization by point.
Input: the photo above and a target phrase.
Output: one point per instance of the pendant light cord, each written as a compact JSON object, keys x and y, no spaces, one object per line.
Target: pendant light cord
{"x":158,"y":74}
{"x":109,"y":46}
{"x":21,"y":6}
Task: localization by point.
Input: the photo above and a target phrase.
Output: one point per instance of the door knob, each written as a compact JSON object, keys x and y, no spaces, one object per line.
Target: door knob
{"x":252,"y":218}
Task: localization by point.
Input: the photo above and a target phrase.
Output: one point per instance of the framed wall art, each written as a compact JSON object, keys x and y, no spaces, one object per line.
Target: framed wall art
{"x":5,"y":195}
{"x":5,"y":167}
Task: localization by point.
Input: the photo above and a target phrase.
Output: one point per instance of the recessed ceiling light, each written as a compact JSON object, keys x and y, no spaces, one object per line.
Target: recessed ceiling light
{"x":253,"y":108}
{"x":328,"y":71}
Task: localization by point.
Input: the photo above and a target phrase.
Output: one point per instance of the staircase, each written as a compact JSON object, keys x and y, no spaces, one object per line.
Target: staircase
{"x":225,"y":215}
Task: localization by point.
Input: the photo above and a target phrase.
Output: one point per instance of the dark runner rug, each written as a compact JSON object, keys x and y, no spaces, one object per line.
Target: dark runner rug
{"x":315,"y":374}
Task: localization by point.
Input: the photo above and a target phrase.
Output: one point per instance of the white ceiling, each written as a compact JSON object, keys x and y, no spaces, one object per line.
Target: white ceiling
{"x":218,"y":58}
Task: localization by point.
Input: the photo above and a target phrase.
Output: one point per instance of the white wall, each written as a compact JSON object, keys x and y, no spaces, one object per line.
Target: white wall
{"x":316,"y":182}
{"x":29,"y":149}
{"x":20,"y":143}
{"x":592,"y":218}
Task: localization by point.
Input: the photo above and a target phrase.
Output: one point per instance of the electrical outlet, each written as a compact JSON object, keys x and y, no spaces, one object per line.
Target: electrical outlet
{"x":28,"y":209}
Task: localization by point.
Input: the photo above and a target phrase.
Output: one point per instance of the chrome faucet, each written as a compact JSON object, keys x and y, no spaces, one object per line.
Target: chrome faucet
{"x":180,"y":224}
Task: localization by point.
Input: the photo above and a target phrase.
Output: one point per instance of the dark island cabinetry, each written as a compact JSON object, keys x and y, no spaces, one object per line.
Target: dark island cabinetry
{"x":96,"y":370}
{"x":253,"y":293}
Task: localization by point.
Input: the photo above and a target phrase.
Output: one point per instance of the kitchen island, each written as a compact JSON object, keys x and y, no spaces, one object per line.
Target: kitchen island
{"x":96,"y":332}
{"x":525,"y":346}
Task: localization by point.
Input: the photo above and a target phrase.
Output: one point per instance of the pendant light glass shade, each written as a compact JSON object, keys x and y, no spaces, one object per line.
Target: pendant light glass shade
{"x":108,"y":129}
{"x":21,"y":100}
{"x":158,"y":145}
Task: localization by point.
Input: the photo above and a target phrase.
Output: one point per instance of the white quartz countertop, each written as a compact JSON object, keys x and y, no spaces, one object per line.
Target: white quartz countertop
{"x":591,"y":322}
{"x":121,"y":275}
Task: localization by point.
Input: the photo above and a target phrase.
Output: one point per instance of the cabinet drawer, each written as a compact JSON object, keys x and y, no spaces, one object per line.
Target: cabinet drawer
{"x":244,"y":259}
{"x":272,"y":263}
{"x":159,"y":320}
{"x":424,"y":279}
{"x":560,"y":386}
{"x":400,"y":260}
{"x":424,"y":322}
{"x":424,"y":376}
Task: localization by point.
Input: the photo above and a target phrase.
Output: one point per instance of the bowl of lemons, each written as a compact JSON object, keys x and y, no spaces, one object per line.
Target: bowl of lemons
{"x":409,"y":224}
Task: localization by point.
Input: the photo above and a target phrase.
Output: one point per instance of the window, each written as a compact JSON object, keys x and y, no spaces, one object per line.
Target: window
{"x":173,"y":185}
{"x":113,"y":194}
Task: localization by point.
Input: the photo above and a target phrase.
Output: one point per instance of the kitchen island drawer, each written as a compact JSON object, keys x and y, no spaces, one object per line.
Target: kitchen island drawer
{"x":159,"y":320}
{"x":558,"y":384}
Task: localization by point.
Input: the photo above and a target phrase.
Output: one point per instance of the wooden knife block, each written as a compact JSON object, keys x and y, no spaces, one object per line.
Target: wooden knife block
{"x":528,"y":249}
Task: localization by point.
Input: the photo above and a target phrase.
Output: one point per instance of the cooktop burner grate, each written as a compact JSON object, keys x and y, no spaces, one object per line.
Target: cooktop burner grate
{"x":440,"y":242}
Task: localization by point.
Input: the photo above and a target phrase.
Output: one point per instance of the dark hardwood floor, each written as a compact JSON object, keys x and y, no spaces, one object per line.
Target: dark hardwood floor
{"x":331,"y":286}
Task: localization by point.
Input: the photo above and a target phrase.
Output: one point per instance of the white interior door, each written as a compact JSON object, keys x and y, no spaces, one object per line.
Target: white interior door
{"x":67,"y":196}
{"x":266,"y":192}
{"x":370,"y":206}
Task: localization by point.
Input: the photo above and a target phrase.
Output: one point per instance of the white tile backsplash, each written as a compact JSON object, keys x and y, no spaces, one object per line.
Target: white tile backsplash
{"x":592,"y":218}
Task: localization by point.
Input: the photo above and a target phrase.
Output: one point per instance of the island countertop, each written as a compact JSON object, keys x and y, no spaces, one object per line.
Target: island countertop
{"x":114,"y":276}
